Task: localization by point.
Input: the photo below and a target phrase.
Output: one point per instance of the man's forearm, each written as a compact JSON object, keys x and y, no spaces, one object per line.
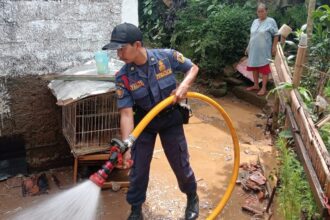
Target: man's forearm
{"x":126,"y":122}
{"x":190,"y":76}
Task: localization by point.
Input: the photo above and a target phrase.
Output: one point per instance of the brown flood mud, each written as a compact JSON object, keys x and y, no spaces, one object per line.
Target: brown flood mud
{"x":211,"y":151}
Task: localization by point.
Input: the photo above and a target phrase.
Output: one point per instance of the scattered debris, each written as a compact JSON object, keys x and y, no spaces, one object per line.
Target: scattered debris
{"x":29,"y":186}
{"x":242,"y":176}
{"x":251,"y":209}
{"x":42,"y":183}
{"x":227,"y":149}
{"x":258,"y":178}
{"x":269,"y":124}
{"x":56,"y":181}
{"x":35,"y":185}
{"x":261,"y":115}
{"x":228,"y":157}
{"x":248,"y":142}
{"x":253,"y":184}
{"x":14,"y":182}
{"x":261,"y":196}
{"x":115,"y":186}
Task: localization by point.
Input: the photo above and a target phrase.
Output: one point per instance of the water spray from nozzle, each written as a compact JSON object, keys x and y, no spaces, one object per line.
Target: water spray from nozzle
{"x":116,"y":157}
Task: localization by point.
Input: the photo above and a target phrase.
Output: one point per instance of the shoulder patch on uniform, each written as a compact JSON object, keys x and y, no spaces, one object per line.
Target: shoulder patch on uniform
{"x":120,"y":92}
{"x":119,"y":84}
{"x":178,"y":56}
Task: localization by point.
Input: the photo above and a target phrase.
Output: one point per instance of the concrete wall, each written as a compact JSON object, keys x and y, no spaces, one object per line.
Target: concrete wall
{"x":39,"y":37}
{"x":50,"y":36}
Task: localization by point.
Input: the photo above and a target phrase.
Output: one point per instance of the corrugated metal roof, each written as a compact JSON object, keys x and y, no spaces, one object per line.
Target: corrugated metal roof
{"x":68,"y":91}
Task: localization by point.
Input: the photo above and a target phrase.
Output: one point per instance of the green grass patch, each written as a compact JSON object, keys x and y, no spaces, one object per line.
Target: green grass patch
{"x":294,"y":195}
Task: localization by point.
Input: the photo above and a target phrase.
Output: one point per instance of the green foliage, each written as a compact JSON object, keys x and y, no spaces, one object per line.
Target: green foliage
{"x":325,"y":134}
{"x":186,"y":30}
{"x":305,"y":93}
{"x":327,"y":89}
{"x":290,"y":47}
{"x":281,"y":86}
{"x":152,"y":14}
{"x":294,"y":16}
{"x":294,"y":194}
{"x":320,"y":50}
{"x":213,"y":36}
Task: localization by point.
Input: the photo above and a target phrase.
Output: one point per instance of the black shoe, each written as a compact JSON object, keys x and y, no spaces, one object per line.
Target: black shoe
{"x":192,"y":209}
{"x":136,"y":213}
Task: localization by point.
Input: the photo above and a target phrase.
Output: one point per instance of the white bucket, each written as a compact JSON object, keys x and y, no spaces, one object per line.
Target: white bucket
{"x":285,"y":30}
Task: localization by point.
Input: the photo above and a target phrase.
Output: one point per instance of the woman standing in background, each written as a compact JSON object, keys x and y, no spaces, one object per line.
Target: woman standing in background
{"x":262,"y":45}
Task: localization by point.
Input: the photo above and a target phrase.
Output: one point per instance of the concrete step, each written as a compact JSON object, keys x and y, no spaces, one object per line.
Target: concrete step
{"x":249,"y":96}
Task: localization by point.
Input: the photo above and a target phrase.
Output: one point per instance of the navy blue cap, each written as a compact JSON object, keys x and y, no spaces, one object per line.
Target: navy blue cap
{"x":123,"y":34}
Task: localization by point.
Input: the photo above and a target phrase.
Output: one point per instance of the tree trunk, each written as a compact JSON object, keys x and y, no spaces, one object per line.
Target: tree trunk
{"x":311,"y":9}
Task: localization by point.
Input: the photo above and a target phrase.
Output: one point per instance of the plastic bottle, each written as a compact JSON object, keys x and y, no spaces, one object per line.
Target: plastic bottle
{"x":102,"y":60}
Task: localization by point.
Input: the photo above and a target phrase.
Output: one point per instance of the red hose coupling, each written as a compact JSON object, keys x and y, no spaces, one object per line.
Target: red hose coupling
{"x":109,"y":165}
{"x":103,"y":174}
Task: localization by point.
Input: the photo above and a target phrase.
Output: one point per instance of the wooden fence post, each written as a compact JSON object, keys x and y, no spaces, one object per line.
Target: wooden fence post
{"x":299,"y":60}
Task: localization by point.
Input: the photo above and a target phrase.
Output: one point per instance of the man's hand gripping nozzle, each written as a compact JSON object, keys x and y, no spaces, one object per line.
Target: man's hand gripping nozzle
{"x":117,"y":149}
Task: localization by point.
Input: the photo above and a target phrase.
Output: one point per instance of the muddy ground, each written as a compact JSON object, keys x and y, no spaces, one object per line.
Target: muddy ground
{"x":211,"y":151}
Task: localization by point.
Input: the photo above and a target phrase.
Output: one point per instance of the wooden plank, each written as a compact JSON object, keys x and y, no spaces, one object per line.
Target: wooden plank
{"x":285,"y":63}
{"x":321,"y":122}
{"x":308,"y":167}
{"x":116,"y":185}
{"x":277,"y":81}
{"x":327,"y":187}
{"x":278,"y":67}
{"x":276,"y":111}
{"x":313,"y":142}
{"x":105,"y":77}
{"x":94,"y":157}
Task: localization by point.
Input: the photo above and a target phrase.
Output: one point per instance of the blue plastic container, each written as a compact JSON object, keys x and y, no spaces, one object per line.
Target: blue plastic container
{"x":102,"y":60}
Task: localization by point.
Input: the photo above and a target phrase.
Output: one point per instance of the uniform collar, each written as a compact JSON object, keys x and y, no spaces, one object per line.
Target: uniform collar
{"x":151,"y":57}
{"x":132,"y":69}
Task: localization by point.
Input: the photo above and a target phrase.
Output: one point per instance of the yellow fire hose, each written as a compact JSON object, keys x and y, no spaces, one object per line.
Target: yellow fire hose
{"x":145,"y":121}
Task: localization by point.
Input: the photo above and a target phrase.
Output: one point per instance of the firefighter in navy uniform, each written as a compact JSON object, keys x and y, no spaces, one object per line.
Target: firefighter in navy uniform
{"x":146,"y":79}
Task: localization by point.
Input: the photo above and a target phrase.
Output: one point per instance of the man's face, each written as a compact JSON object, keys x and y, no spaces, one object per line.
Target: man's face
{"x":127,"y":53}
{"x":262,"y":13}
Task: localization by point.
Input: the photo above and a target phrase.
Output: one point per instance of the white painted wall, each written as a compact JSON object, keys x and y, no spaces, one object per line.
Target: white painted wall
{"x":129,"y":12}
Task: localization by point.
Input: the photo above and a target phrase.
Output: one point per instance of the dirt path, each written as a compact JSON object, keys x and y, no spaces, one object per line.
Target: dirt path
{"x":210,"y":147}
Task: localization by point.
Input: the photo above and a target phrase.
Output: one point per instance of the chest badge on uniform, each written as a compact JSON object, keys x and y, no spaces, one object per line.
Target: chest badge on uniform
{"x":119,"y":92}
{"x":179,"y":57}
{"x":136,"y":85}
{"x":161,"y":66}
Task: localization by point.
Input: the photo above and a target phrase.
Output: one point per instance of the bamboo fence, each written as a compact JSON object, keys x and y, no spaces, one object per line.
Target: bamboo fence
{"x":309,"y":145}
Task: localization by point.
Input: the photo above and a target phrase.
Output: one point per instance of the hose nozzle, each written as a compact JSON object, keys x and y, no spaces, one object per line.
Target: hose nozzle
{"x":97,"y":179}
{"x":118,"y":147}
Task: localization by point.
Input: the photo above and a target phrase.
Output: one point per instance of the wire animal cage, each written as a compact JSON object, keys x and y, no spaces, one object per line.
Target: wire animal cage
{"x":89,"y":124}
